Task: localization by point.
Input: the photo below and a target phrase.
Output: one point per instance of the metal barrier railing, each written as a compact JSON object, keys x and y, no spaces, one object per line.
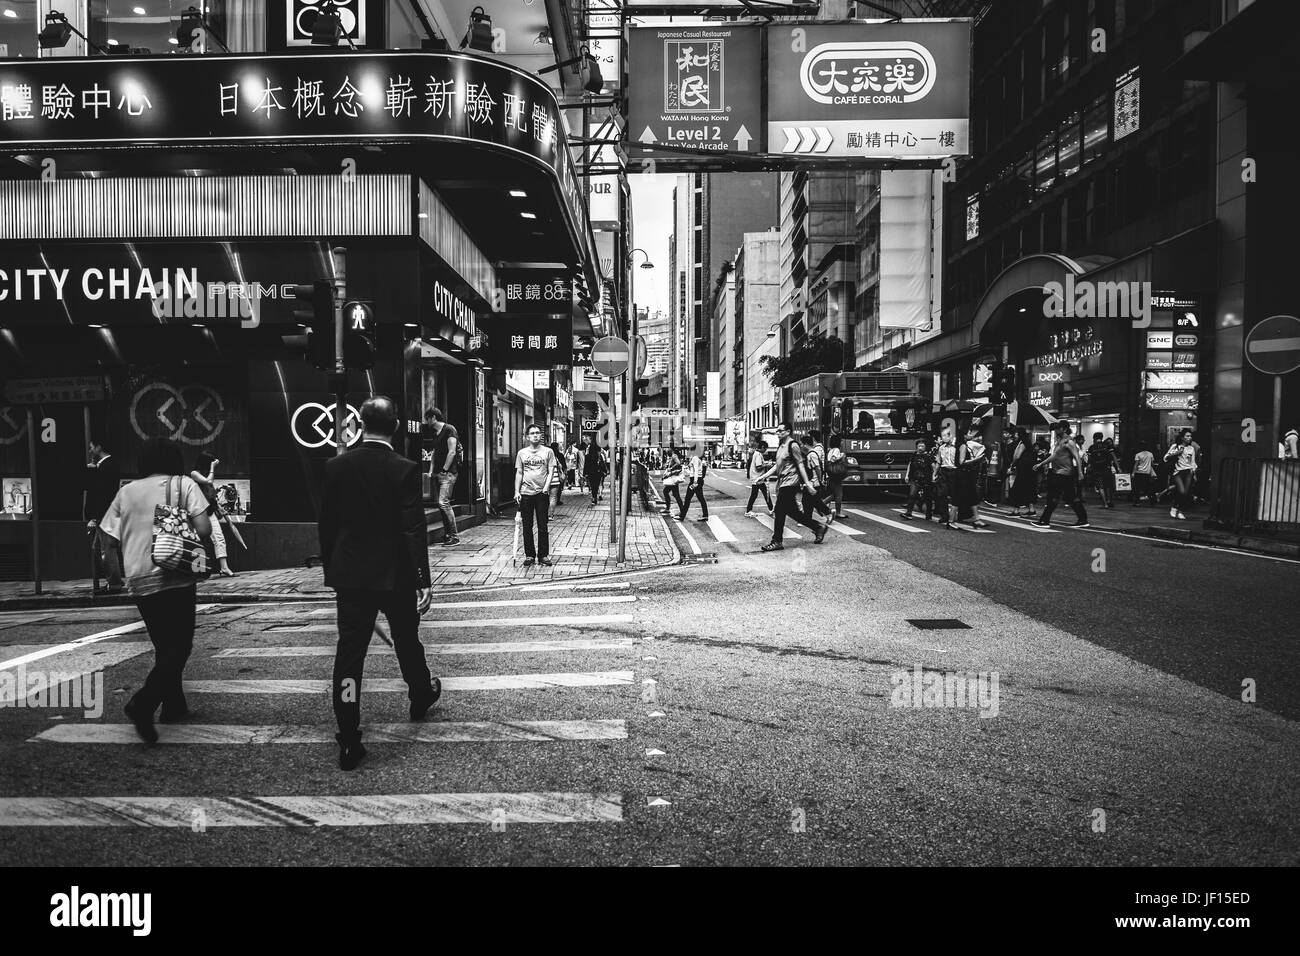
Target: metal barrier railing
{"x":1257,"y":494}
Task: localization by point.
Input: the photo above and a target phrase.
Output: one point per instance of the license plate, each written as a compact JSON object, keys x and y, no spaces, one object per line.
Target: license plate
{"x":890,"y":476}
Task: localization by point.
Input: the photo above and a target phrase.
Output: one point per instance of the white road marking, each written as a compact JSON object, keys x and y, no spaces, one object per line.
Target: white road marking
{"x":398,"y":809}
{"x":720,"y":530}
{"x":1186,"y":544}
{"x":612,"y":586}
{"x":839,"y":527}
{"x":79,"y":642}
{"x":516,"y":731}
{"x":472,"y":622}
{"x":392,"y":685}
{"x":499,"y":647}
{"x":888,"y":522}
{"x":76,"y":664}
{"x":690,"y":538}
{"x":1023,"y":525}
{"x":527,"y":603}
{"x":767,"y":523}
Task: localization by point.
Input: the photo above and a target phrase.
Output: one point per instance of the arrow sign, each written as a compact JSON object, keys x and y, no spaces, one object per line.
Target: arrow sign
{"x":807,"y":140}
{"x":742,"y":138}
{"x":647,"y":136}
{"x":791,"y":140}
{"x":824,"y":139}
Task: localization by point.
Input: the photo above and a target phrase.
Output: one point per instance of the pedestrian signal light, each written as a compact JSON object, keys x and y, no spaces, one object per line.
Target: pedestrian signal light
{"x":359,"y":343}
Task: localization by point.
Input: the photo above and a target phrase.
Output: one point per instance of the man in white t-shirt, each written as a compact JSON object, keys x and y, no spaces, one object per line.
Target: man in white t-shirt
{"x":534,"y":466}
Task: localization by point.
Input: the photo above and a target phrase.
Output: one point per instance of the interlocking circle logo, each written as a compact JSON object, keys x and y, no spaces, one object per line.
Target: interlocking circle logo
{"x":313,"y":425}
{"x":13,"y":425}
{"x":192,"y":414}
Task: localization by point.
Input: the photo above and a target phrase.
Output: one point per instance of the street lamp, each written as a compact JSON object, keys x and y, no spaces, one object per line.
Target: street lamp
{"x":645,"y":265}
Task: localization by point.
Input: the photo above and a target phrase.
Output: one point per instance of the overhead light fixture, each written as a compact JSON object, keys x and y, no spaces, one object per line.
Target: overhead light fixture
{"x":10,"y":13}
{"x":592,"y":81}
{"x":479,"y":35}
{"x":529,"y":215}
{"x":519,"y":194}
{"x":138,"y":11}
{"x":327,"y":28}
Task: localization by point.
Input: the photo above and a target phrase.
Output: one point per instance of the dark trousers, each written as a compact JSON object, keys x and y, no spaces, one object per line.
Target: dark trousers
{"x":673,"y":491}
{"x":357,"y":611}
{"x":536,"y":507}
{"x":967,"y":493}
{"x":1063,"y":488}
{"x":1183,"y":484}
{"x":815,"y":502}
{"x":835,"y":492}
{"x":945,"y":491}
{"x":919,"y":494}
{"x":110,"y":558}
{"x":787,"y":503}
{"x":169,"y":619}
{"x":696,"y":490}
{"x":754,"y":492}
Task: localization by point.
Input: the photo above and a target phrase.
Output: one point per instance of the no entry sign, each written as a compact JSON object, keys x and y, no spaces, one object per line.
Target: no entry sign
{"x":609,"y":356}
{"x":1273,"y":346}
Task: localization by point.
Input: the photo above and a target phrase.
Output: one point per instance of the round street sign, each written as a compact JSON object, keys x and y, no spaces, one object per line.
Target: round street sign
{"x":609,"y":356}
{"x":1273,"y":346}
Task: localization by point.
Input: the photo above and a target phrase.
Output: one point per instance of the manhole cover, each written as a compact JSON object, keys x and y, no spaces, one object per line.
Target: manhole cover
{"x":938,"y":623}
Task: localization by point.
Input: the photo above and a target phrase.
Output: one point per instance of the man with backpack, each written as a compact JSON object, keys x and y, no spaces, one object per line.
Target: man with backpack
{"x":837,"y":469}
{"x":791,"y":476}
{"x":814,"y":462}
{"x":695,"y":472}
{"x":443,"y":469}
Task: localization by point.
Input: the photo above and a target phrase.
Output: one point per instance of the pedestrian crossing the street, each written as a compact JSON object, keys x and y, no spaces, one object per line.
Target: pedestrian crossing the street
{"x":494,"y":696}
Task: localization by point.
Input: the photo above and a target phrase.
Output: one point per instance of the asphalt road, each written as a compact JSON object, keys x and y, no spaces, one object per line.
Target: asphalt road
{"x":775,"y":731}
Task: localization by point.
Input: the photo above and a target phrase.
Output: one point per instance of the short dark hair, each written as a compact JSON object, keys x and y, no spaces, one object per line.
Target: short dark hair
{"x":98,"y":440}
{"x":532,"y":426}
{"x":161,"y":456}
{"x":379,"y":415}
{"x":433,"y":411}
{"x":785,"y":425}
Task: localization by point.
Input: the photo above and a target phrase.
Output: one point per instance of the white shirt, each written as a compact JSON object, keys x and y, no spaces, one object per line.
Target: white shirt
{"x":377,"y":441}
{"x":696,"y":468}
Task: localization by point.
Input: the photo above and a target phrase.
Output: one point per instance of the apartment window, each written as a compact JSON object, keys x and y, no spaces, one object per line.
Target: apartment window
{"x":18,"y":28}
{"x":1045,"y":163}
{"x":147,"y":24}
{"x":1096,"y":129}
{"x":1070,"y":145}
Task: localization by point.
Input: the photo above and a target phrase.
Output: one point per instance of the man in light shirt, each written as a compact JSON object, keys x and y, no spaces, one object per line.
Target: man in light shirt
{"x":695,"y":472}
{"x":534,"y":466}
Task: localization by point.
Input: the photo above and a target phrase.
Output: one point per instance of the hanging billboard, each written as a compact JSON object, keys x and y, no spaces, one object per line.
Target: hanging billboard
{"x":898,"y":90}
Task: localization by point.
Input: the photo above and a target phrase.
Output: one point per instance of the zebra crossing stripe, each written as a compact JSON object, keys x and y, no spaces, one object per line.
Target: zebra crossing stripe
{"x":840,"y":528}
{"x":60,"y":648}
{"x":389,"y":685}
{"x":1022,"y":525}
{"x":399,"y":809}
{"x":469,"y":623}
{"x":75,"y":663}
{"x":498,"y":647}
{"x":767,"y":523}
{"x":528,"y":603}
{"x":613,"y":586}
{"x":720,"y":530}
{"x":690,"y":538}
{"x":888,"y":522}
{"x":514,"y":731}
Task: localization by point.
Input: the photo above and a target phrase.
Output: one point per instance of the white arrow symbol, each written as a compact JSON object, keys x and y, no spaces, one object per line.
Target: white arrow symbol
{"x":791,"y":139}
{"x":198,"y":414}
{"x":809,"y":139}
{"x":324,"y":416}
{"x":647,"y":136}
{"x":742,"y":138}
{"x":162,"y":413}
{"x":823,"y":139}
{"x":657,"y":802}
{"x":651,"y":752}
{"x":655,"y":713}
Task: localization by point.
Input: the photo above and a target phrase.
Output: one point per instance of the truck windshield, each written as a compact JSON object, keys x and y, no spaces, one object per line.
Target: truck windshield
{"x":867,"y":418}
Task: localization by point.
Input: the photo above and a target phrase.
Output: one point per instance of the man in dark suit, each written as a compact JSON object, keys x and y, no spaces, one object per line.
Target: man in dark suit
{"x":375,"y":550}
{"x":103,"y":476}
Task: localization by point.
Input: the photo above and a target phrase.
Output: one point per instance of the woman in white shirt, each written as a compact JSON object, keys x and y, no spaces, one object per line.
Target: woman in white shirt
{"x":1183,"y":453}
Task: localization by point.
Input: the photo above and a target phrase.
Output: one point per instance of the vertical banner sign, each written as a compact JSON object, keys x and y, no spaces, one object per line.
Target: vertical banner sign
{"x":869,"y":90}
{"x":1128,"y":104}
{"x":697,"y":88}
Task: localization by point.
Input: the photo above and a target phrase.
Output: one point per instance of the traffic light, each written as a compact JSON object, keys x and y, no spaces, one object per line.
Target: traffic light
{"x":317,"y":314}
{"x":359,"y":346}
{"x":1004,"y":384}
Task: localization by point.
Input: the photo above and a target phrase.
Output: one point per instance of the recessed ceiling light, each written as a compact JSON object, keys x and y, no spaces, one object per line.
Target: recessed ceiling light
{"x":411,"y":325}
{"x":424,"y":215}
{"x":112,"y":43}
{"x":10,"y":13}
{"x":173,"y":41}
{"x":529,"y":215}
{"x":138,"y":11}
{"x":519,"y":194}
{"x":93,"y":326}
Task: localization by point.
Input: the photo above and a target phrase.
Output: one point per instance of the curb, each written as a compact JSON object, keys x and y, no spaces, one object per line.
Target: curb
{"x":1277,"y":549}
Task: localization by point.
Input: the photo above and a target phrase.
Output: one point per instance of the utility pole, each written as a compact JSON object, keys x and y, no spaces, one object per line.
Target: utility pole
{"x":340,"y":375}
{"x":629,"y":389}
{"x":613,"y":462}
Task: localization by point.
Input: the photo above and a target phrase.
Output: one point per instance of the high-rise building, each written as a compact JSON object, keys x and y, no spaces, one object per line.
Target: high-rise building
{"x":758,"y":318}
{"x":817,"y":253}
{"x":724,"y":327}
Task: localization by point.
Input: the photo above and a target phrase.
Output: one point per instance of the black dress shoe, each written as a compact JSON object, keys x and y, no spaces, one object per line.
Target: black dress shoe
{"x":420,"y":706}
{"x":143,"y":722}
{"x":350,"y":754}
{"x":173,"y":714}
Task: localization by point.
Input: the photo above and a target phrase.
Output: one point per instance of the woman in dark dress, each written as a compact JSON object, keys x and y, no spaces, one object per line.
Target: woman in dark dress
{"x":1023,"y":495}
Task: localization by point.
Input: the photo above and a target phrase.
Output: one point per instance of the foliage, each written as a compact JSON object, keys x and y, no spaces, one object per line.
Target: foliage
{"x":817,"y":353}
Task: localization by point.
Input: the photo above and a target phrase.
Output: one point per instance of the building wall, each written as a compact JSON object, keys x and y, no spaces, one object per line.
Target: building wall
{"x":758,"y":310}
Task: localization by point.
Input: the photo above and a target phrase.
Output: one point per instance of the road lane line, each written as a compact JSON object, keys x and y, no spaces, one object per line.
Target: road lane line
{"x":392,"y":685}
{"x":839,"y":527}
{"x":519,"y":602}
{"x":471,"y":622}
{"x":1023,"y":525}
{"x":720,"y":529}
{"x":515,"y":731}
{"x":398,"y":809}
{"x":690,"y":538}
{"x":501,"y":647}
{"x":767,"y":523}
{"x":612,"y":586}
{"x":79,"y":642}
{"x":888,"y":522}
{"x":78,"y":663}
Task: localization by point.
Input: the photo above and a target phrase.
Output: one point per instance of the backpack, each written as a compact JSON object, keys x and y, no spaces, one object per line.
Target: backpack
{"x":813,"y":465}
{"x":837,"y":463}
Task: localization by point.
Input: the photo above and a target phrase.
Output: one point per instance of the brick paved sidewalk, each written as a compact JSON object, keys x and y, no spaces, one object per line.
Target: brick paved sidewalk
{"x":579,"y":547}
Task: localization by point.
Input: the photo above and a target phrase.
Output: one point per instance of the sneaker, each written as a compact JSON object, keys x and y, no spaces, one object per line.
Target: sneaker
{"x":1043,"y":524}
{"x":544,"y":562}
{"x":450,"y":540}
{"x":980,"y":524}
{"x":529,"y":562}
{"x":1082,"y":524}
{"x":751,"y":514}
{"x":1182,"y":516}
{"x":906,"y":516}
{"x":1173,"y":512}
{"x":820,"y":536}
{"x":702,"y":519}
{"x":773,"y":546}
